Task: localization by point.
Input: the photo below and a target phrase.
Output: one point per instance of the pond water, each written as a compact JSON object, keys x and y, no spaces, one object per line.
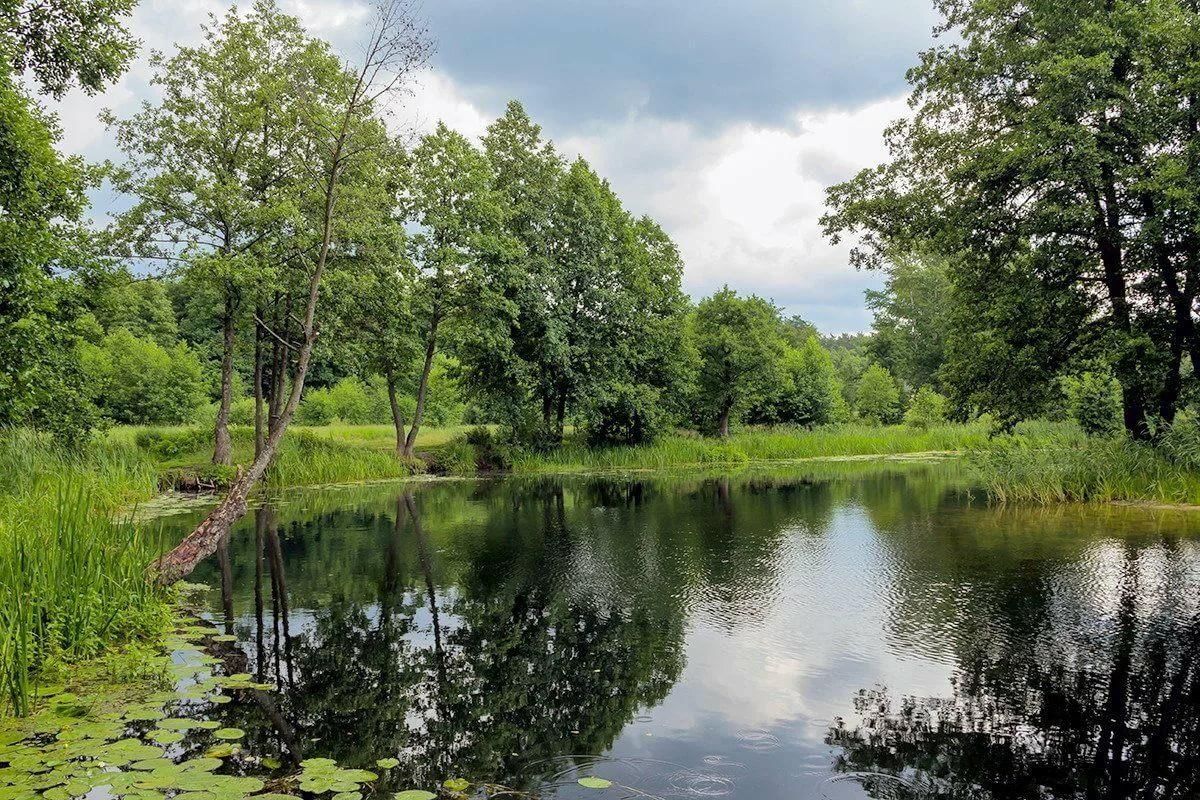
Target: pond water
{"x":881,"y":635}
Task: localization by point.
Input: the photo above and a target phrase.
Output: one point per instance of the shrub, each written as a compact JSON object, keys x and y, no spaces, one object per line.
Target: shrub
{"x":1094,"y":401}
{"x":491,"y":454}
{"x":625,"y":415}
{"x":172,"y":443}
{"x":877,"y":396}
{"x":927,"y":409}
{"x":134,"y":380}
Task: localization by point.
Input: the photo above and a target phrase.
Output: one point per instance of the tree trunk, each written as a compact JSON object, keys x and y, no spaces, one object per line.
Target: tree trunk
{"x":260,"y":435}
{"x":223,"y":446}
{"x":397,"y":416}
{"x":422,"y":388}
{"x":723,"y":423}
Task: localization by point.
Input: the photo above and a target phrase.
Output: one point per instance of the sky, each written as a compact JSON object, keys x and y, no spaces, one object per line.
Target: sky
{"x":725,"y":121}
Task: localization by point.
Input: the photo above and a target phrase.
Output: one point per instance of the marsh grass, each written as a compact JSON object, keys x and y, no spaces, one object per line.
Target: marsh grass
{"x":72,"y":572}
{"x":757,"y":444}
{"x":1044,"y":470}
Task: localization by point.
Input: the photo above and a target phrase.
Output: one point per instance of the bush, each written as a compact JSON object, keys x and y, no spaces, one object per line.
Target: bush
{"x":877,"y":396}
{"x":1094,"y":402}
{"x":171,"y":443}
{"x":491,"y":454}
{"x":625,"y":415}
{"x":134,"y":380}
{"x":927,"y":409}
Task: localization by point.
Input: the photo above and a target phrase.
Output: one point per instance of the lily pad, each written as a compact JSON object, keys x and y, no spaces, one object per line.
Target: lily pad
{"x":414,"y":794}
{"x":229,"y":734}
{"x":592,"y":782}
{"x":224,"y":637}
{"x":457,"y":784}
{"x":388,"y":763}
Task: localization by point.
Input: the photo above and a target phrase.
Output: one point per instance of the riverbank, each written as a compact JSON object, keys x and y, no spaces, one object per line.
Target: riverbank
{"x":72,"y":562}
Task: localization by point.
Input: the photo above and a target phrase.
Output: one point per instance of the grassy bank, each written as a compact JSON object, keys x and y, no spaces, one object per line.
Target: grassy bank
{"x":72,"y":574}
{"x":1059,"y":469}
{"x":750,"y":445}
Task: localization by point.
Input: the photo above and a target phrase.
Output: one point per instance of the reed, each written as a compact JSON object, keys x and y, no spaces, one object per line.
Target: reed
{"x":1046,"y":470}
{"x":72,"y":572}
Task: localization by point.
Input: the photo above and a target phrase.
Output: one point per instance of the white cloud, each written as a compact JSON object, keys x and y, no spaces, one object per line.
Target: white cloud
{"x":744,"y":204}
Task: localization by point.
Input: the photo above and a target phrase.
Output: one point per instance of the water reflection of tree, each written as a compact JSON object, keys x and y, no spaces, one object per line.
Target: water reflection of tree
{"x":485,"y":680}
{"x":1048,"y":714}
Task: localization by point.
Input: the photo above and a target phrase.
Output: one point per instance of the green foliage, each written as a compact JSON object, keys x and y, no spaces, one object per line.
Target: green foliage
{"x":877,"y":399}
{"x":912,"y":318}
{"x":624,"y":415}
{"x":1094,"y":401}
{"x":166,"y":444}
{"x":134,"y":380}
{"x":41,"y":200}
{"x":740,"y":354}
{"x":64,"y":43}
{"x":142,"y":307}
{"x":926,"y":409}
{"x":1036,"y":154}
{"x":808,"y":394}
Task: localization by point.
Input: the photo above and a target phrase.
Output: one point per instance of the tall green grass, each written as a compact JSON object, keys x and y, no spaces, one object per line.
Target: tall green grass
{"x":1073,"y":468}
{"x":757,"y":444}
{"x":72,"y":577}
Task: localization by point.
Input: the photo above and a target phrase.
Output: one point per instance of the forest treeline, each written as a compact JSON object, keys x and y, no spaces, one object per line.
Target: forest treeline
{"x":497,"y":282}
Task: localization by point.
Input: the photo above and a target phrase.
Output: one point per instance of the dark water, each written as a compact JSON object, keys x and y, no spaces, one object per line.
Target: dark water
{"x":765,"y":637}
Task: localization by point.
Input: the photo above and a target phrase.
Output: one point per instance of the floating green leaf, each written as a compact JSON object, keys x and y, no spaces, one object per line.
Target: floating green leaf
{"x":387,"y":763}
{"x":414,"y":794}
{"x":229,"y":734}
{"x":457,"y":784}
{"x":592,"y":782}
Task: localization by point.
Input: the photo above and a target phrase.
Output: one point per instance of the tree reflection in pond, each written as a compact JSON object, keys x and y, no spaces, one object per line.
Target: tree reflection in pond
{"x":1114,"y":715}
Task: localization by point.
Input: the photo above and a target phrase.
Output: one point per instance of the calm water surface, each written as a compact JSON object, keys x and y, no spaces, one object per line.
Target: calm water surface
{"x":878,"y":636}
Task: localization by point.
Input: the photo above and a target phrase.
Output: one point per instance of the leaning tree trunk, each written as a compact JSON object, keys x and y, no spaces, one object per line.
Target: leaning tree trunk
{"x":223,"y":445}
{"x":423,"y":388}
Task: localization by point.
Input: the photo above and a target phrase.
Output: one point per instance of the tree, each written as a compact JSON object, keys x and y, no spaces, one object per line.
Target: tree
{"x":344,"y":142}
{"x":740,"y":353}
{"x":877,"y":398}
{"x":41,"y":199}
{"x":1050,"y":155}
{"x":926,"y":409}
{"x":460,"y":244}
{"x":512,"y":350}
{"x":216,"y":166}
{"x":63,"y":44}
{"x":912,"y":318}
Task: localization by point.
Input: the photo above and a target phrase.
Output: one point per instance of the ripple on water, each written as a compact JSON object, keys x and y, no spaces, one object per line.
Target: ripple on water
{"x":693,"y":783}
{"x":758,"y":740}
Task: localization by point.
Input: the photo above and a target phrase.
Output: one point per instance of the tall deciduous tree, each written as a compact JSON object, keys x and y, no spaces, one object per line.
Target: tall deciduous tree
{"x":510,"y":353}
{"x":344,"y":143}
{"x":216,"y":166}
{"x":462,"y":242}
{"x":913,"y":318}
{"x":61,"y":45}
{"x":741,"y":350}
{"x":1051,"y":153}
